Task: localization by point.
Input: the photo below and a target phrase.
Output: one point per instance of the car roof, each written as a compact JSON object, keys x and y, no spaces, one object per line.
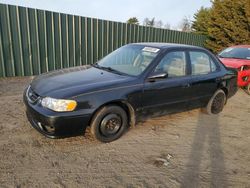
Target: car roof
{"x":166,"y":45}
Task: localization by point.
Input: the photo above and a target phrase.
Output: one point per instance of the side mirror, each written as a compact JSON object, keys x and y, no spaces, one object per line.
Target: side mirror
{"x":157,"y":76}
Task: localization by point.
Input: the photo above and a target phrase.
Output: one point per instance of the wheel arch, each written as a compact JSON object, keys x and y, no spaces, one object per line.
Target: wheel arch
{"x":124,"y":105}
{"x":225,"y":90}
{"x":224,"y":87}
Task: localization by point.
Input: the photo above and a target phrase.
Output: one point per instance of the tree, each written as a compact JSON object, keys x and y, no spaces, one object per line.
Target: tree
{"x":186,"y":25}
{"x":133,"y":20}
{"x":158,"y":24}
{"x":155,"y":23}
{"x":228,"y":24}
{"x":167,"y":26}
{"x":200,"y":23}
{"x":149,"y":22}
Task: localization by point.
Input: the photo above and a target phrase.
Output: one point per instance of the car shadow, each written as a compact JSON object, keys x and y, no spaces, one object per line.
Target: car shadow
{"x":207,"y":141}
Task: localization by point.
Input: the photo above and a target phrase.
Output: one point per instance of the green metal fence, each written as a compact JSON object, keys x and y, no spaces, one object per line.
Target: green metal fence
{"x":35,"y":41}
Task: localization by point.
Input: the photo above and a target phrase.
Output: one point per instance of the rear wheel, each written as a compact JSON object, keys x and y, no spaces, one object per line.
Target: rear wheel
{"x":216,"y":103}
{"x":109,"y":123}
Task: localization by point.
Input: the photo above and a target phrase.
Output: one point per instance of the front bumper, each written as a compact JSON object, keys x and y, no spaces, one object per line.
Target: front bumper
{"x":55,"y":124}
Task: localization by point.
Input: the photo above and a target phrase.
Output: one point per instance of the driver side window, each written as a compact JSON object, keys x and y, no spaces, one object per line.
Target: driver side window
{"x":173,"y":63}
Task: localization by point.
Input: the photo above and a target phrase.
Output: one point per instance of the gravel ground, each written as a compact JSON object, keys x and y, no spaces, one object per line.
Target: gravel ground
{"x":188,"y":149}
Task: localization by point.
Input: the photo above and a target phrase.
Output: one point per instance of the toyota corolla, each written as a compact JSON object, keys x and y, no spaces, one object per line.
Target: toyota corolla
{"x":133,"y":82}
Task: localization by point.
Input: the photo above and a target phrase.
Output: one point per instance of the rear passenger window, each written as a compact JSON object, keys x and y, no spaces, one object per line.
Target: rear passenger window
{"x":201,"y":63}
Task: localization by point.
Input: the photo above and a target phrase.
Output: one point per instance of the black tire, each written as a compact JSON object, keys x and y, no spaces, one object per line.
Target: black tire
{"x":109,"y":123}
{"x":216,"y":103}
{"x":248,"y":89}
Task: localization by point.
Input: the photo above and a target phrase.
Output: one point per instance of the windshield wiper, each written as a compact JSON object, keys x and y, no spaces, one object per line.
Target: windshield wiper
{"x":113,"y":70}
{"x":110,"y":69}
{"x":95,"y":65}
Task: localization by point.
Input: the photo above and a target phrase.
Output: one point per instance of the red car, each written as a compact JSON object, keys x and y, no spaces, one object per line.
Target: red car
{"x":238,"y":57}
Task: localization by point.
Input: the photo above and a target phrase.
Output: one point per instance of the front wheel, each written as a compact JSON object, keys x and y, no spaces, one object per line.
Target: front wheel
{"x":109,"y":123}
{"x":216,"y":103}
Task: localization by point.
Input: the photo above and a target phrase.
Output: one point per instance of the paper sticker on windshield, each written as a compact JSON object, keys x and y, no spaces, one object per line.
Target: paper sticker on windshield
{"x":150,"y":49}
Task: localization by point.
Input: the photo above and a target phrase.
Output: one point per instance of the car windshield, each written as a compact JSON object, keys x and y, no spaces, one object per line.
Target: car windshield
{"x":130,"y":60}
{"x":238,"y":53}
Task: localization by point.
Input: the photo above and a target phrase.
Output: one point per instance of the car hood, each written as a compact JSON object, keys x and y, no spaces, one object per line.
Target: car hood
{"x":234,"y":63}
{"x":70,"y":82}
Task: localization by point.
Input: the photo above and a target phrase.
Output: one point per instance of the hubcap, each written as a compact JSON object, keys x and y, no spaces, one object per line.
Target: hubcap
{"x":218,"y":103}
{"x":110,"y":124}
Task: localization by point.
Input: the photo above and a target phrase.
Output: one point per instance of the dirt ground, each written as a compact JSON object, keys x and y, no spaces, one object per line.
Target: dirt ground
{"x":188,"y":149}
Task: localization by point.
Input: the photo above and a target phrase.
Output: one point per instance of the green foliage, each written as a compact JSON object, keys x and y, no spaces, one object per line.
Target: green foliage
{"x":201,"y":19}
{"x":228,"y":23}
{"x":133,"y":20}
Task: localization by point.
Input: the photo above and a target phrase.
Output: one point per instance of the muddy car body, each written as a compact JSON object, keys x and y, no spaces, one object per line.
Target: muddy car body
{"x":135,"y":81}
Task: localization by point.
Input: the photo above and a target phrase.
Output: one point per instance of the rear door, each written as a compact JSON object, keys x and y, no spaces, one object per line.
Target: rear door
{"x":205,"y":77}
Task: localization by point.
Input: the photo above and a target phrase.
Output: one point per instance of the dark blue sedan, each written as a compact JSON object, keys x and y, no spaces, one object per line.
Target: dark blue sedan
{"x":133,"y":82}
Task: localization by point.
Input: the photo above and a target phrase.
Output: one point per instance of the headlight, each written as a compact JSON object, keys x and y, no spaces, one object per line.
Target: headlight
{"x":59,"y":105}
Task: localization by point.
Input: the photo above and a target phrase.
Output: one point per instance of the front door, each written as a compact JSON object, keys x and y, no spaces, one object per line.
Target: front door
{"x":168,"y":95}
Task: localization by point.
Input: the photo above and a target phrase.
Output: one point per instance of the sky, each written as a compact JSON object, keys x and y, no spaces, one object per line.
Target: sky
{"x":168,"y":11}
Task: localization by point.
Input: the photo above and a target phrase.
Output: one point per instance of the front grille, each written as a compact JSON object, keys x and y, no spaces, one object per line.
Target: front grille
{"x":32,"y":96}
